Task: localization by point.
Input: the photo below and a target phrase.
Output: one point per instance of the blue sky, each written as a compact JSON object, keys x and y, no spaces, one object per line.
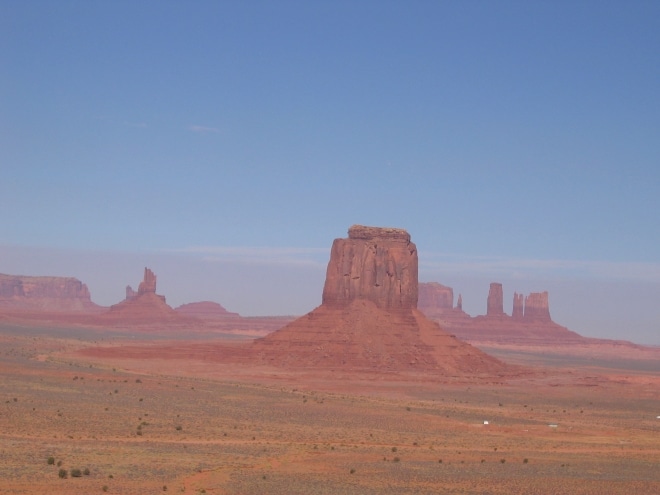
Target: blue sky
{"x":516,"y":141}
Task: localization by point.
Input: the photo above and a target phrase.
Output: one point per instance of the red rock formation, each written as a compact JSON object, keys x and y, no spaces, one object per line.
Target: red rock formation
{"x":205,"y":310}
{"x":130,"y":293}
{"x":376,"y":264}
{"x":368,"y":319}
{"x":433,"y":295}
{"x":148,"y":284}
{"x":529,"y":324}
{"x":44,"y":293}
{"x":146,"y":307}
{"x":537,"y":307}
{"x":495,"y":303}
{"x":518,"y":306}
{"x":436,"y":302}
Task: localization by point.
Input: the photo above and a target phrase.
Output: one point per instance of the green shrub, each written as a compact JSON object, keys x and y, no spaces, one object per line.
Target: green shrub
{"x":62,"y":473}
{"x":51,"y":460}
{"x":76,"y":473}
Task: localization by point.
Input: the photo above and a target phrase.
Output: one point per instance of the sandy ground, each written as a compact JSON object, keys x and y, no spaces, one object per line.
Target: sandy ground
{"x":171,"y":423}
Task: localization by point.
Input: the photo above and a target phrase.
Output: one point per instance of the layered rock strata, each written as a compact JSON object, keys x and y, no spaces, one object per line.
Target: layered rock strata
{"x":379,"y":265}
{"x":44,"y":293}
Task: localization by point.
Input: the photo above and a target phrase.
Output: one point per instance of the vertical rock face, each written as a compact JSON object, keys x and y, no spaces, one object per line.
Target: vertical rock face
{"x":433,"y":295}
{"x":130,"y":293}
{"x":495,"y":303}
{"x":518,"y":306}
{"x":148,"y":284}
{"x":376,"y":264}
{"x":537,"y":307}
{"x":459,"y":303}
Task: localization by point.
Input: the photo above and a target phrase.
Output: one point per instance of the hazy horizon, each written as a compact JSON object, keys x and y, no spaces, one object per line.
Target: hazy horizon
{"x":585,"y":297}
{"x":226,"y":144}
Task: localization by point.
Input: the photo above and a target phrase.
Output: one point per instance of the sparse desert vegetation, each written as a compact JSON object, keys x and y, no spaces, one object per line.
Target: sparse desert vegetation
{"x":210,"y":431}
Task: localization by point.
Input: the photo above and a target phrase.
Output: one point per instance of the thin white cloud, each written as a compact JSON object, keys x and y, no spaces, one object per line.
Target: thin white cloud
{"x":204,"y":129}
{"x":444,"y":263}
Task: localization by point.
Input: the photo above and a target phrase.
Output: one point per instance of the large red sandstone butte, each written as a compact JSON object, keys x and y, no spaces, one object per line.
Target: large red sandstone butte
{"x":378,"y":264}
{"x":368,"y":319}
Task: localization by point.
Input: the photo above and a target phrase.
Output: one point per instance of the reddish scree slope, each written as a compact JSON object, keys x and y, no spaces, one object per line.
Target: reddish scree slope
{"x":365,"y":337}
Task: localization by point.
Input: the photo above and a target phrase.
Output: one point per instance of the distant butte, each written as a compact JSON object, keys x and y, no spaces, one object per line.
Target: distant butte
{"x":368,"y":319}
{"x":144,"y":306}
{"x":529,"y":323}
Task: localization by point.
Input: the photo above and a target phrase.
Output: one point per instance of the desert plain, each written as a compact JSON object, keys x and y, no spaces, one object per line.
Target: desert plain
{"x":365,"y":394}
{"x":144,"y":413}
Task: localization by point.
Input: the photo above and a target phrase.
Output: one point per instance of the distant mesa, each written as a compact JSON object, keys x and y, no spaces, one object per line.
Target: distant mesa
{"x":368,"y":319}
{"x":205,"y":310}
{"x":435,"y":295}
{"x":529,"y":323}
{"x":48,"y":294}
